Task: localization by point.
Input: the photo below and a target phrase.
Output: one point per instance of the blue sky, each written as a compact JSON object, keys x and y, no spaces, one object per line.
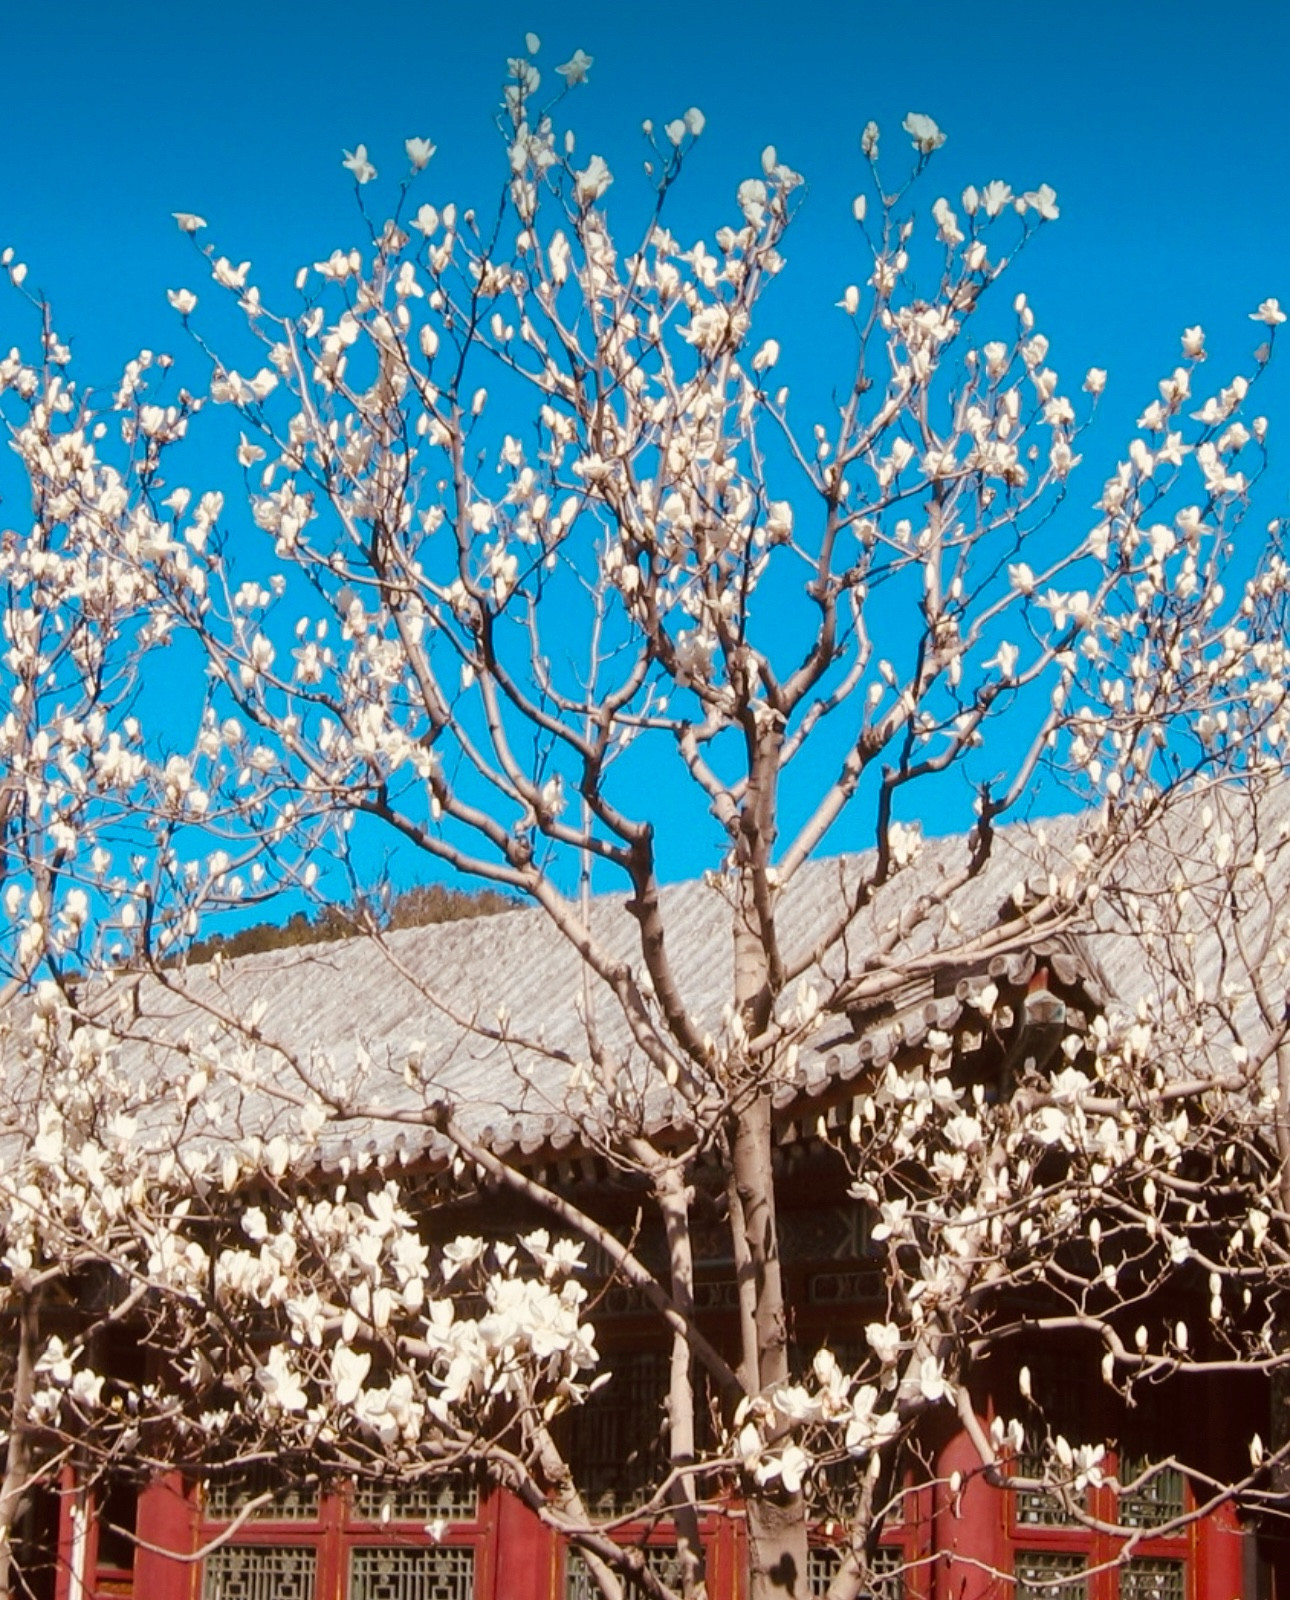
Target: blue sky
{"x":1164,"y":129}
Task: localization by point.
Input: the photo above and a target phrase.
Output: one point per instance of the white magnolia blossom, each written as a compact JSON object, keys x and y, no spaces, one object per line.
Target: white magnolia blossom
{"x":575,"y":70}
{"x":1269,"y":312}
{"x":593,"y":181}
{"x":923,"y":131}
{"x":419,"y":152}
{"x":356,"y":161}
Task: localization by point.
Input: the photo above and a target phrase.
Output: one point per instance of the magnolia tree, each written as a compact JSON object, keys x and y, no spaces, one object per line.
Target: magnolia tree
{"x":527,"y":552}
{"x":79,"y":620}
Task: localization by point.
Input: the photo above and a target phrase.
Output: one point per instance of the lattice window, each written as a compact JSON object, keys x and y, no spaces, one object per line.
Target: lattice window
{"x":1038,"y":1508}
{"x":1153,"y":1503}
{"x":260,"y":1572}
{"x":225,"y":1498}
{"x":617,"y":1446}
{"x":453,"y":1498}
{"x":661,"y":1559}
{"x":430,"y":1572}
{"x":1050,"y":1575}
{"x":886,"y":1581}
{"x":1151,"y":1578}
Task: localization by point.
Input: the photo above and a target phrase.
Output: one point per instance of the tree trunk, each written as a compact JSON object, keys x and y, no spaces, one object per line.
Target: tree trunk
{"x":776,"y":1521}
{"x":17,"y":1470}
{"x":777,"y":1548}
{"x":682,"y":1440}
{"x":776,"y":1524}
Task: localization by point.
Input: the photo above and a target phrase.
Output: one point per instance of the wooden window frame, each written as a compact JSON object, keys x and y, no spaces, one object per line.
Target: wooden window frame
{"x":336,"y":1530}
{"x":1099,"y":1549}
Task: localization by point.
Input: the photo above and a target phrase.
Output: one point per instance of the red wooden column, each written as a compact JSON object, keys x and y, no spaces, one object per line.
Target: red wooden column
{"x":728,"y":1557}
{"x":167,"y":1521}
{"x":969,"y":1540}
{"x":72,"y":1555}
{"x":526,"y":1565}
{"x":1220,"y":1551}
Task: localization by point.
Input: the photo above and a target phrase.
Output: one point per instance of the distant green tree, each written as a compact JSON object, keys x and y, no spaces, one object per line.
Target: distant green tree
{"x":417,"y":907}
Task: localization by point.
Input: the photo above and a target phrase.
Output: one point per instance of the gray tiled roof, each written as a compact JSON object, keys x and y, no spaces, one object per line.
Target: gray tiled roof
{"x":353,"y":1014}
